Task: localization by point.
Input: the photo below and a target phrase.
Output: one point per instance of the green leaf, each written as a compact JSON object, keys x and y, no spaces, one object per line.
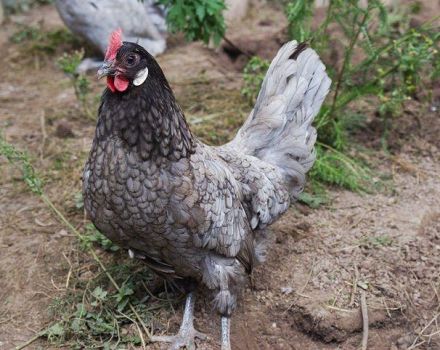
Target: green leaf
{"x":198,"y":20}
{"x":21,"y":160}
{"x":122,"y":297}
{"x":99,"y":293}
{"x":55,"y":331}
{"x":313,"y":201}
{"x":200,"y":11}
{"x":253,"y":75}
{"x":80,"y":310}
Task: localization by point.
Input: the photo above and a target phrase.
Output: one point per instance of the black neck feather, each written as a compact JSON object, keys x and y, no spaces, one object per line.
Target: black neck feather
{"x":148,"y":119}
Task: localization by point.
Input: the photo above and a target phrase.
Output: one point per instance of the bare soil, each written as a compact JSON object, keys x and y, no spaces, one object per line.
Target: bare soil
{"x":307,"y":294}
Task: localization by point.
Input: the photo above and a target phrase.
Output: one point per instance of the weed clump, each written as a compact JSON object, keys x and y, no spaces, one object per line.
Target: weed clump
{"x":384,"y":63}
{"x":199,"y":19}
{"x":253,"y":76}
{"x":37,"y":41}
{"x":97,"y":310}
{"x":93,"y":236}
{"x":100,"y":316}
{"x":69,"y":63}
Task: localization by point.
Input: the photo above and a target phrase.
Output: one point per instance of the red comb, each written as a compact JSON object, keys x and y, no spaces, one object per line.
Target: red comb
{"x":114,"y":43}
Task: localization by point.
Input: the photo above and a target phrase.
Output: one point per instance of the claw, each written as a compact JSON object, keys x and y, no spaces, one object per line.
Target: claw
{"x":185,"y":338}
{"x":187,"y":333}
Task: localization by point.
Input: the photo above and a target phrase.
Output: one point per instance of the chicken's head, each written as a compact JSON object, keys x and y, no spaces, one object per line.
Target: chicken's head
{"x":125,"y":64}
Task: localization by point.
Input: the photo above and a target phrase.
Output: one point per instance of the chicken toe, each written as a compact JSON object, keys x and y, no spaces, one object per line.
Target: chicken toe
{"x":187,"y":333}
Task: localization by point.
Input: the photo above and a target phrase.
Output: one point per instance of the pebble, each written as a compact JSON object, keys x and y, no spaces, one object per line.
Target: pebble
{"x":64,"y":130}
{"x":286,"y":290}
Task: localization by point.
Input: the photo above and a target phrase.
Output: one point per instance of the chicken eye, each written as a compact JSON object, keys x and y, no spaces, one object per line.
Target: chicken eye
{"x":131,"y":60}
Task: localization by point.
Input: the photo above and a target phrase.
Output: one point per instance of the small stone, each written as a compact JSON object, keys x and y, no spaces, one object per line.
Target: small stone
{"x":392,"y":201}
{"x":61,"y":233}
{"x":64,"y":130}
{"x":404,"y":342}
{"x":286,"y":290}
{"x":86,"y":275}
{"x":363,"y":285}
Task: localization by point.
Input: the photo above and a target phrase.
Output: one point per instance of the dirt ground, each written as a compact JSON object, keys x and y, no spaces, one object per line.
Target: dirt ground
{"x":307,"y":295}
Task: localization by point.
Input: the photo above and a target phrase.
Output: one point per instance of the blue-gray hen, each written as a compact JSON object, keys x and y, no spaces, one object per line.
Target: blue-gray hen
{"x":142,"y":22}
{"x":193,"y":212}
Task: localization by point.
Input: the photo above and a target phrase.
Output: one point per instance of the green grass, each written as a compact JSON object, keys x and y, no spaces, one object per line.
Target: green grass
{"x":69,"y":63}
{"x":377,"y":242}
{"x":109,"y":305}
{"x":17,"y":6}
{"x":253,"y":76}
{"x":214,"y":111}
{"x":93,"y":314}
{"x":335,"y":168}
{"x":93,"y":236}
{"x":114,"y":305}
{"x":35,"y":40}
{"x":398,"y":63}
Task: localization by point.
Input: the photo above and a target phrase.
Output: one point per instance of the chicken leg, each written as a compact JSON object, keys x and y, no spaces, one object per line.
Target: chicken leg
{"x":187,"y":334}
{"x":226,"y":329}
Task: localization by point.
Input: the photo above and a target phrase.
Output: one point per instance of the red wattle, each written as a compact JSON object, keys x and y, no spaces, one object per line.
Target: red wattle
{"x":118,"y":83}
{"x":121,"y":83}
{"x":111,"y":84}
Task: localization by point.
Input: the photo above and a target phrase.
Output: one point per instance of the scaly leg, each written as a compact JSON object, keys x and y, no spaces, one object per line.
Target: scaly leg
{"x":226,"y":330}
{"x":187,"y":333}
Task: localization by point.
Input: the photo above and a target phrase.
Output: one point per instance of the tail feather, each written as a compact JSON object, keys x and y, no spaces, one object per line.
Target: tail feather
{"x":279,"y":129}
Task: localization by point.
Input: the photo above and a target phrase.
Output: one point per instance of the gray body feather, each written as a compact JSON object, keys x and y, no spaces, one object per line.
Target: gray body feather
{"x":193,"y":211}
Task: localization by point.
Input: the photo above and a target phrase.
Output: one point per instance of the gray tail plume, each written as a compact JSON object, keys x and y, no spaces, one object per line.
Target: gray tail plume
{"x":279,"y":129}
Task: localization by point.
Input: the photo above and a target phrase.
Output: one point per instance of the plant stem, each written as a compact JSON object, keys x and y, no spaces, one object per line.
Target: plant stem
{"x":49,"y":203}
{"x":347,"y":58}
{"x":20,"y":160}
{"x":389,"y":46}
{"x":323,"y":27}
{"x":30,"y":341}
{"x":352,"y":96}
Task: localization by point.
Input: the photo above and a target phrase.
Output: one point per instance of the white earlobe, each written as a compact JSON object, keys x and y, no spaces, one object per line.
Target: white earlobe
{"x":141,"y":77}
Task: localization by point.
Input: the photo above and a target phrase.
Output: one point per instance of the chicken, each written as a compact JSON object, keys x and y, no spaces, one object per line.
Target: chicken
{"x":194,"y":213}
{"x":142,"y":22}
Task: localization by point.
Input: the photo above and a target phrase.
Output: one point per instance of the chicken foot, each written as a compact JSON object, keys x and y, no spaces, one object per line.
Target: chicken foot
{"x":226,"y":329}
{"x":187,"y":333}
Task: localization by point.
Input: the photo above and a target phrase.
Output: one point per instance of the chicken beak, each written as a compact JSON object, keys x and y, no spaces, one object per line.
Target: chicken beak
{"x":106,"y":69}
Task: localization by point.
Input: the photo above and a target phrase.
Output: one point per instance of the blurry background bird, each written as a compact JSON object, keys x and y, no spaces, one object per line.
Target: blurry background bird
{"x":194,"y":213}
{"x":142,"y":22}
